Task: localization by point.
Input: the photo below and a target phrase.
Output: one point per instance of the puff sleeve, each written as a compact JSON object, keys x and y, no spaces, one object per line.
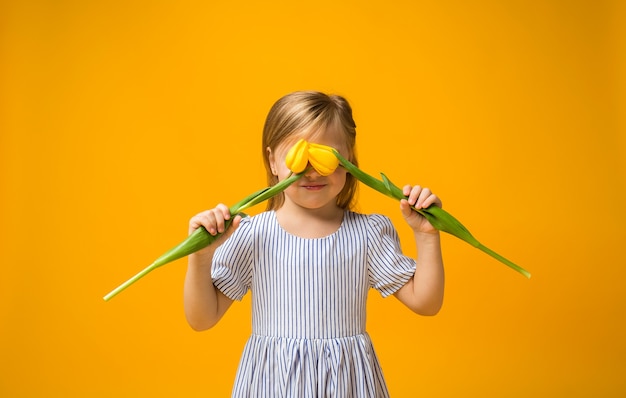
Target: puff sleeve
{"x":388,"y":268}
{"x":233,"y":261}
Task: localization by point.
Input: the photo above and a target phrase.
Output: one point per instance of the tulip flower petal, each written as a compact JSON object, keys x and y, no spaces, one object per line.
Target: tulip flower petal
{"x":323,"y":159}
{"x":297,"y":157}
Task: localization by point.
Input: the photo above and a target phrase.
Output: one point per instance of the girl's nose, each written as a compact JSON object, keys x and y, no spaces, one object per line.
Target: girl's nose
{"x":311,"y":173}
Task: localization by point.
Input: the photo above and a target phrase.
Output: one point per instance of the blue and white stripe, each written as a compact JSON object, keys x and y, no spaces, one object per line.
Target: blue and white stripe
{"x":309,"y":304}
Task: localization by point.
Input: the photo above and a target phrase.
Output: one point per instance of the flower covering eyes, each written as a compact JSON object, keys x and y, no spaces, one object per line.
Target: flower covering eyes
{"x":321,"y":157}
{"x":324,"y":159}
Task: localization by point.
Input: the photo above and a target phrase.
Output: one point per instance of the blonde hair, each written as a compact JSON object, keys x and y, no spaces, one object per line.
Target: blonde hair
{"x":304,"y":112}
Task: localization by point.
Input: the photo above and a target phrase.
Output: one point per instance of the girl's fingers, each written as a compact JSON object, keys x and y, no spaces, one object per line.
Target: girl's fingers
{"x":233,"y":227}
{"x":207,"y":220}
{"x":222,"y":208}
{"x":412,"y":193}
{"x":197,"y":221}
{"x":428,"y":198}
{"x":222,"y":214}
{"x":419,"y":197}
{"x":212,"y":220}
{"x":432,"y":200}
{"x":405,"y":208}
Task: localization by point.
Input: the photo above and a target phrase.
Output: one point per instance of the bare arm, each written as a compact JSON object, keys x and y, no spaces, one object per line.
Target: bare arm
{"x":423,"y":293}
{"x":204,"y":303}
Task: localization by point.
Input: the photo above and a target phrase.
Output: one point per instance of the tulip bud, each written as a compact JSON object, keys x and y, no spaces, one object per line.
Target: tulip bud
{"x":323,"y":159}
{"x":297,"y":158}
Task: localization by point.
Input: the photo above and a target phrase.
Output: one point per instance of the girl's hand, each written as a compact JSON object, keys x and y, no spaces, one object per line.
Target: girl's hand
{"x":213,"y":221}
{"x":420,"y":198}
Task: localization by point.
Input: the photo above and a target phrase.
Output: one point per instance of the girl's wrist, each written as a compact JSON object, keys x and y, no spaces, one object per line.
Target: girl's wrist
{"x":427,"y":237}
{"x":201,"y":259}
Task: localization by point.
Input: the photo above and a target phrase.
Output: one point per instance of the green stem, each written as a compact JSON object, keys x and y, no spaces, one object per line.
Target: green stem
{"x":129,"y":282}
{"x":503,"y":260}
{"x":438,"y":217}
{"x":201,"y":238}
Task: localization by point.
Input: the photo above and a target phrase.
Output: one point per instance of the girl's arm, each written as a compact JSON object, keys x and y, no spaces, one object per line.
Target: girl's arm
{"x":423,"y":293}
{"x":204,"y":303}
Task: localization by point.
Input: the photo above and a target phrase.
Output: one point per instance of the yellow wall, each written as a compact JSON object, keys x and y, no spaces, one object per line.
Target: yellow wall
{"x":121,"y":119}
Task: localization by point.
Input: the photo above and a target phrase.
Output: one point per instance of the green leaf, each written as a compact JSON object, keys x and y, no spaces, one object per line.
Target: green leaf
{"x":361,"y":176}
{"x":438,"y":217}
{"x":395,"y":191}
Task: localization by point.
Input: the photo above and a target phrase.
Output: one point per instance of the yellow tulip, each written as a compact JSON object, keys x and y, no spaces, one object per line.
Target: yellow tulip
{"x":321,"y":157}
{"x":297,"y":157}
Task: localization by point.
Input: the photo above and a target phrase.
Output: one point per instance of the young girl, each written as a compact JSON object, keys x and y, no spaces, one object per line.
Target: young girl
{"x":309,"y":262}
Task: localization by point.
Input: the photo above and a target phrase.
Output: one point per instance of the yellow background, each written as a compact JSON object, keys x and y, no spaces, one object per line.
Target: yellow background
{"x":122,"y":119}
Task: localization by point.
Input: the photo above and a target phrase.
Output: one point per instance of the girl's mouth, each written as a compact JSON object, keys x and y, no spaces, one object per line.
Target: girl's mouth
{"x":313,"y":187}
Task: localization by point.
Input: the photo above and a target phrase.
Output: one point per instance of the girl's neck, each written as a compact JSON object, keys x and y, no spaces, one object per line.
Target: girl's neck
{"x":309,"y":223}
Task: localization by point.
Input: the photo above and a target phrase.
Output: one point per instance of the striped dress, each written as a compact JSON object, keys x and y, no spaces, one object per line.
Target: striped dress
{"x":308,"y":304}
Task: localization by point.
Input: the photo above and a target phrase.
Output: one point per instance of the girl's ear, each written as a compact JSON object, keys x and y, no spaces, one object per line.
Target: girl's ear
{"x":272,"y":160}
